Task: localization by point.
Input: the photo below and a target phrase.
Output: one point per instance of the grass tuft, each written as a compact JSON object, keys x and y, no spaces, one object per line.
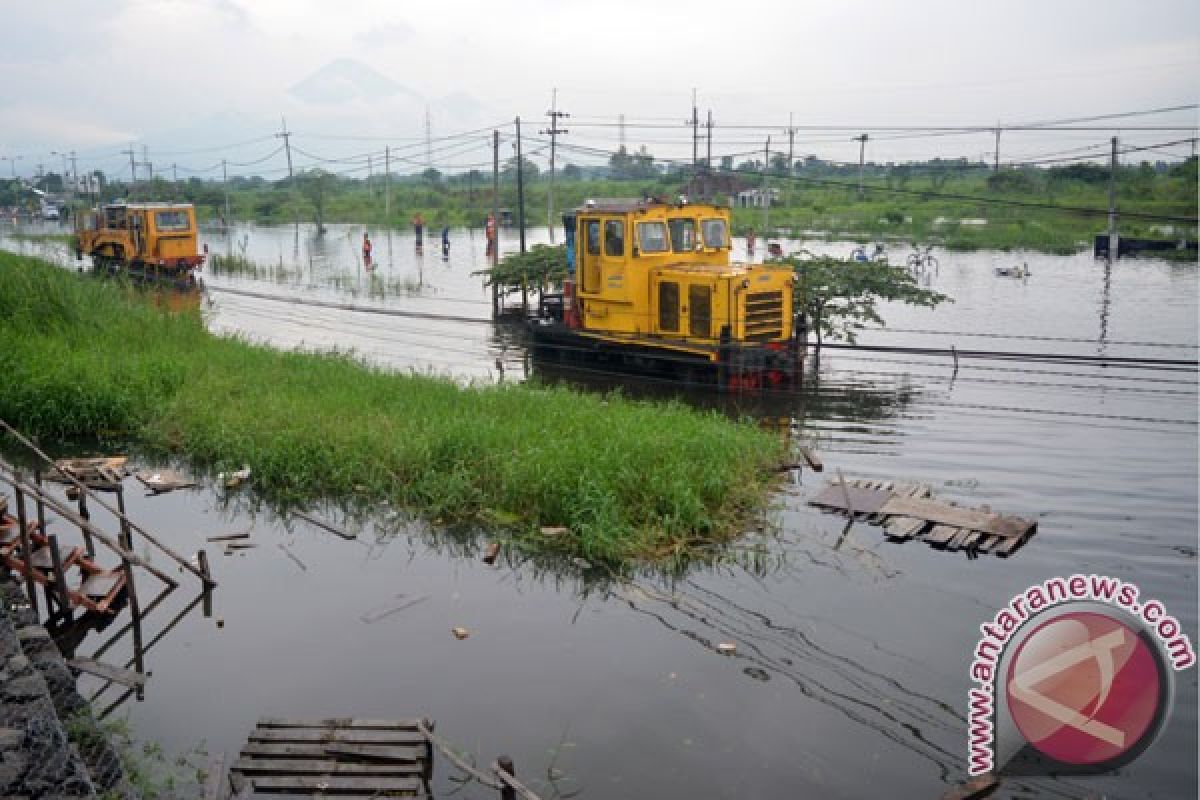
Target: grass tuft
{"x":631,"y":480}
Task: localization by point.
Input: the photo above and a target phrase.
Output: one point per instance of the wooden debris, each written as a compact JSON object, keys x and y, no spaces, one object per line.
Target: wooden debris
{"x":228,"y":537}
{"x":460,"y":633}
{"x":554,"y":530}
{"x":373,"y":617}
{"x":125,"y":677}
{"x":814,"y":462}
{"x":324,"y":525}
{"x":288,"y":552}
{"x":726,"y":648}
{"x":908,"y":512}
{"x":240,"y":545}
{"x":104,"y":473}
{"x":346,"y":757}
{"x":489,"y":555}
{"x":164,"y":480}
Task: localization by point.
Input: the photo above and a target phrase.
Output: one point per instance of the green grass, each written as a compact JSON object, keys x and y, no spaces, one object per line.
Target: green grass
{"x":630,"y":480}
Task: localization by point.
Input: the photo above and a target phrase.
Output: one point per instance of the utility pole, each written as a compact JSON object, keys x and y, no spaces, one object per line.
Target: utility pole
{"x":225,"y":186}
{"x":428,"y":140}
{"x":520,"y":188}
{"x":766,"y":195}
{"x":620,"y":131}
{"x":695,"y":123}
{"x":74,"y":173}
{"x":996,"y":160}
{"x":496,"y":194}
{"x":387,"y":181}
{"x":791,"y":145}
{"x":555,"y":115}
{"x":370,"y":191}
{"x":132,"y":170}
{"x":1113,"y":242}
{"x":285,"y":134}
{"x":862,"y":148}
{"x":708,"y":142}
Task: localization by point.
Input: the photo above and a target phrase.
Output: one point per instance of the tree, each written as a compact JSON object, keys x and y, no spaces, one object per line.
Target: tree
{"x":431,"y":176}
{"x":839,"y":298}
{"x":572,"y":172}
{"x":620,"y":164}
{"x":726,"y":163}
{"x":779,"y":164}
{"x":315,"y":185}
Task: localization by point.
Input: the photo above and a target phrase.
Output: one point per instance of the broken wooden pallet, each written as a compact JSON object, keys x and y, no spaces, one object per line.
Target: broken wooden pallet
{"x":907,"y":511}
{"x":104,"y":473}
{"x":334,"y":757}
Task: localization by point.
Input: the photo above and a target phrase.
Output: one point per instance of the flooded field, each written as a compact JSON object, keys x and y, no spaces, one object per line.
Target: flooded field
{"x":850,"y":676}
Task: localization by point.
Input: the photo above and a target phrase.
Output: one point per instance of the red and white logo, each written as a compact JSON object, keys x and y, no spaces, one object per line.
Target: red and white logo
{"x":1085,"y":689}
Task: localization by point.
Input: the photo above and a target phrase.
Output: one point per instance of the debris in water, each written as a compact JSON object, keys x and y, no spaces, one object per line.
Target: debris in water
{"x":757,"y":673}
{"x":489,"y":555}
{"x":163,"y":480}
{"x":727,"y":648}
{"x":460,"y":633}
{"x":233,"y":479}
{"x":225,"y":537}
{"x":582,"y":563}
{"x":287,"y":552}
{"x":380,"y":613}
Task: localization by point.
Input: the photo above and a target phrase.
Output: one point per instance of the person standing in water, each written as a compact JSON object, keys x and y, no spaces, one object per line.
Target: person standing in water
{"x":419,"y":228}
{"x":445,"y":242}
{"x":366,"y":250}
{"x":490,"y":232}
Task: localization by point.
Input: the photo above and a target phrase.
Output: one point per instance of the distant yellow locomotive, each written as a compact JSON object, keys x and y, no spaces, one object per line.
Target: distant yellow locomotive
{"x":146,"y":241}
{"x":651,"y":288}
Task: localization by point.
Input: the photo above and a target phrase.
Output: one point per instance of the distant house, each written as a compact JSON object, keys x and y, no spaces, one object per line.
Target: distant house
{"x":757,"y":198}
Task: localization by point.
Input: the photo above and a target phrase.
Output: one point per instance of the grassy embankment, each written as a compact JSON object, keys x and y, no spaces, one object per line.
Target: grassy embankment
{"x":630,"y":480}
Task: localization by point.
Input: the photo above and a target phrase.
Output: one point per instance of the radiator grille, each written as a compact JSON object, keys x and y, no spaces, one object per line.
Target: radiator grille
{"x":764,"y":316}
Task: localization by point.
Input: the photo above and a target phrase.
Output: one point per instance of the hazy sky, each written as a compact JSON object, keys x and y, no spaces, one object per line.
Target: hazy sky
{"x":201,"y":80}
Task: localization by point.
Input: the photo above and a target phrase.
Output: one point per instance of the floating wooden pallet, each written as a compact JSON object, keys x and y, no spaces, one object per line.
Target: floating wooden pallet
{"x":907,"y":512}
{"x":103,"y":474}
{"x":334,"y":757}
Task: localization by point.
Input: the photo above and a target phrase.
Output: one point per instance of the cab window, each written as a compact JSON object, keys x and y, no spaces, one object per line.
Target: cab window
{"x":171,"y":221}
{"x":593,"y":237}
{"x":715,"y":234}
{"x":683,"y":235}
{"x":652,"y":237}
{"x":614,"y":237}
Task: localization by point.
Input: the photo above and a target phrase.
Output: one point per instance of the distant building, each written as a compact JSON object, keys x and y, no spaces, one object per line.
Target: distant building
{"x":757,"y":198}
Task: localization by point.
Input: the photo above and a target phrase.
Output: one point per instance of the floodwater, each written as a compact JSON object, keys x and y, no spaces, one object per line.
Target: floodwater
{"x":851,"y":671}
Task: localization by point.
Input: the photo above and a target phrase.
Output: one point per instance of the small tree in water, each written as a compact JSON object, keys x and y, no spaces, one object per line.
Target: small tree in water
{"x":315,"y":185}
{"x":839,"y":297}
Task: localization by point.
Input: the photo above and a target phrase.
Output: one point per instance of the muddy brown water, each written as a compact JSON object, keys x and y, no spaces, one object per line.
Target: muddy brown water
{"x":850,"y":675}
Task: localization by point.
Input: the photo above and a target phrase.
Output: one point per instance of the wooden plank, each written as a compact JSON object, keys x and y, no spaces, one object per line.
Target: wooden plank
{"x":215,"y":781}
{"x":329,"y":766}
{"x":862,"y":501}
{"x":934,"y":511}
{"x":1009,"y":546}
{"x":341,"y":722}
{"x":901,"y":528}
{"x":125,"y":677}
{"x":960,"y":539}
{"x":331,"y":736}
{"x":322,"y":524}
{"x":324,"y":750}
{"x":378,"y":752}
{"x":225,"y":537}
{"x":334,"y":783}
{"x":814,"y":461}
{"x":941,"y":534}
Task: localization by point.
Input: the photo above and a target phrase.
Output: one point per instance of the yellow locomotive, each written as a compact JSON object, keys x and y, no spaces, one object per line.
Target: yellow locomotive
{"x":651,"y":288}
{"x":153,"y":242}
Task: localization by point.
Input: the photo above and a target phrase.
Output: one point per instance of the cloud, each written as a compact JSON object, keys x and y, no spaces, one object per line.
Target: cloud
{"x":387,"y":35}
